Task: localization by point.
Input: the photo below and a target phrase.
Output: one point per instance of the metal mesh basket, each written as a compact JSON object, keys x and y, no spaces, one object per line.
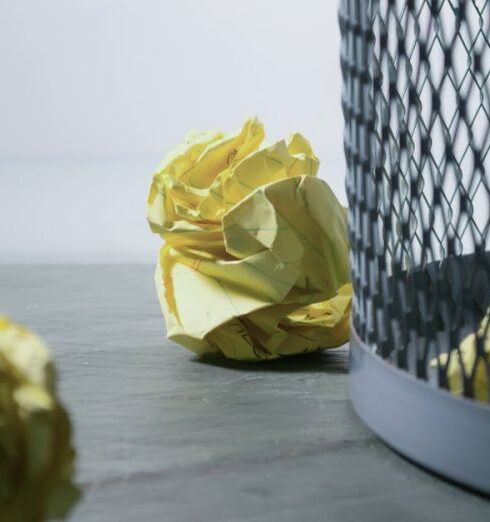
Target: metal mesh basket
{"x":416,"y":102}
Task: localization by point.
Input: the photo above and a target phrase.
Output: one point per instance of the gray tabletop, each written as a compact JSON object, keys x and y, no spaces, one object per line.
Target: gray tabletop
{"x":162,"y":436}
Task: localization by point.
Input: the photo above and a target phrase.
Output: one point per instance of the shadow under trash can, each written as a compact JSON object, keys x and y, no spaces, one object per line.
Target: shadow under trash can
{"x":416,"y":102}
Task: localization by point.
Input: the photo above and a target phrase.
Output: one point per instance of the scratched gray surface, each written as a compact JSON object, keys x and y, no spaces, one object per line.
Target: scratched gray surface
{"x":163,"y":437}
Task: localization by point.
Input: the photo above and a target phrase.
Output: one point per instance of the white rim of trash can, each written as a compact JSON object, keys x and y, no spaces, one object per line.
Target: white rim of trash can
{"x":445,"y":433}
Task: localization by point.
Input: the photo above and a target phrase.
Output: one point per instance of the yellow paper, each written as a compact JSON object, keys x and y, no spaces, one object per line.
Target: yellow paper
{"x":470,"y":362}
{"x":255,"y":257}
{"x":36,"y":455}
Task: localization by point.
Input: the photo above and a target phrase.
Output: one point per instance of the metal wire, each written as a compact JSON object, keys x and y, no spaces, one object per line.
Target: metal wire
{"x":416,"y":103}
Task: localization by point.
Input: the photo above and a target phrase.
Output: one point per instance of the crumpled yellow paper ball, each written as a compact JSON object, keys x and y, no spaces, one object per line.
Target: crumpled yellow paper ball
{"x":469,"y":360}
{"x":36,"y":455}
{"x":254,"y":263}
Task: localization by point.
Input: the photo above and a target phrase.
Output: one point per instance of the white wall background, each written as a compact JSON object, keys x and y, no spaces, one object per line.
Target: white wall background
{"x":94,"y":92}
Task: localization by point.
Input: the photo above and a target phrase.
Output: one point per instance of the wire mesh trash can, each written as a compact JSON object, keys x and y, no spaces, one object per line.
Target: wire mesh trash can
{"x":416,"y":103}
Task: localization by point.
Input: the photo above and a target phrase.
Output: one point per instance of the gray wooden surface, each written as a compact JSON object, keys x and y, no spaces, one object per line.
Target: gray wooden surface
{"x":164,"y":437}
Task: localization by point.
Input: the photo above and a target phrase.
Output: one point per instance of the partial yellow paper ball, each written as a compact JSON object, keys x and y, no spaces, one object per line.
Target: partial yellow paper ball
{"x":466,"y":361}
{"x":36,"y":453}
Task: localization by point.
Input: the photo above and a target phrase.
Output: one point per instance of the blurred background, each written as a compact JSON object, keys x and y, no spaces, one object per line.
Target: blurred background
{"x":93,"y":93}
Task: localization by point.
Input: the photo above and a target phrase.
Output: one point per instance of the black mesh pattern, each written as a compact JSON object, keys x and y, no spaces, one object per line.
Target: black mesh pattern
{"x":416,"y":102}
